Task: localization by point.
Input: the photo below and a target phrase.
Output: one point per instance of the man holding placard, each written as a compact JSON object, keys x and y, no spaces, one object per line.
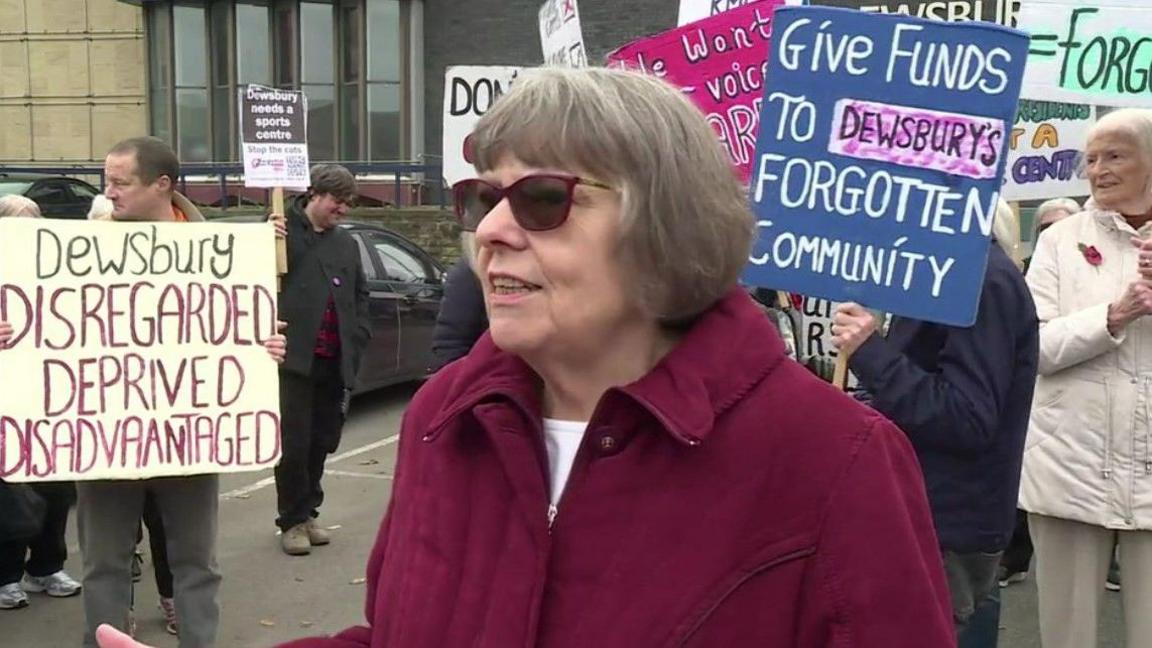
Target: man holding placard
{"x":141,"y":174}
{"x":325,"y":302}
{"x":893,"y":207}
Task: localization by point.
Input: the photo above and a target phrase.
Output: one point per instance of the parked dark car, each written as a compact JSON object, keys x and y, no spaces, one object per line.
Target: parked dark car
{"x":405,"y":285}
{"x":57,"y":196}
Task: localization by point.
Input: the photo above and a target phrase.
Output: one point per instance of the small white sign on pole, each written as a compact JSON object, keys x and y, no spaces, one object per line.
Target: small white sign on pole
{"x":693,"y":10}
{"x":274,"y":137}
{"x":560,"y":35}
{"x":469,"y":91}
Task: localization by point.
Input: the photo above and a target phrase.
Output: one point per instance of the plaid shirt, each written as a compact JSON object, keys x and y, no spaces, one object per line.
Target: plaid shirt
{"x":328,"y":337}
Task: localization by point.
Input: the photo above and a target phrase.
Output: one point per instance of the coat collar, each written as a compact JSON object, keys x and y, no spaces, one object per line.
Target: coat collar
{"x":1111,"y":220}
{"x":722,"y":357}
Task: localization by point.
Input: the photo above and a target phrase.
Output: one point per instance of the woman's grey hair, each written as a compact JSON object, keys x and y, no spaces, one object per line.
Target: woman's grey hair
{"x":1132,"y":122}
{"x":687,"y":229}
{"x":16,"y":205}
{"x":1055,"y":204}
{"x":1006,"y":229}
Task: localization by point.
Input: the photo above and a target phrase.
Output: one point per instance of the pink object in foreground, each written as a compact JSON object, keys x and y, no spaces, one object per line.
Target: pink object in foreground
{"x":727,"y":498}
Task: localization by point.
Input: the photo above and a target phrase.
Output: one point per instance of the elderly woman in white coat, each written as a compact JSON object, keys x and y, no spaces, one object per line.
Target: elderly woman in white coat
{"x":1087,"y":476}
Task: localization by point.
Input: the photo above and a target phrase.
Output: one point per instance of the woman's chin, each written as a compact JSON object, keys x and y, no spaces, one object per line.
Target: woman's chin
{"x":513,"y":339}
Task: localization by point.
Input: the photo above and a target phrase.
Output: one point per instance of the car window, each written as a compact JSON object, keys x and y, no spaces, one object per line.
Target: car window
{"x":14,"y":188}
{"x":399,"y":264}
{"x":82,"y":191}
{"x":50,"y":193}
{"x":365,"y":260}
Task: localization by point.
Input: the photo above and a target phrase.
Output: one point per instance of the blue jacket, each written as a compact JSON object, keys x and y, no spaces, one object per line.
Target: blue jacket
{"x":963,"y":397}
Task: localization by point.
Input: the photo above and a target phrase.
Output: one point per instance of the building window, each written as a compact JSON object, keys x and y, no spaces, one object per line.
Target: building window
{"x":253,"y":47}
{"x":318,"y":77}
{"x":346,"y":55}
{"x":220,"y":18}
{"x":191,"y":49}
{"x":385,"y":56}
{"x":351,"y":98}
{"x":160,"y":72}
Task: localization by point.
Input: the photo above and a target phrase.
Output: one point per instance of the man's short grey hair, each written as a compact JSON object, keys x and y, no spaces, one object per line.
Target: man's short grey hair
{"x":17,"y":205}
{"x":687,"y":229}
{"x":1055,"y":204}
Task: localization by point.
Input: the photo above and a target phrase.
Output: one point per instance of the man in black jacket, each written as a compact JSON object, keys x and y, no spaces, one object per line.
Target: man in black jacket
{"x":963,"y":396}
{"x":325,"y":302}
{"x":462,"y":318}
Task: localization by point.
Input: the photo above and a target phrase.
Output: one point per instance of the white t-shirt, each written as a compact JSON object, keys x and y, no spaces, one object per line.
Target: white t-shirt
{"x":561,"y":439}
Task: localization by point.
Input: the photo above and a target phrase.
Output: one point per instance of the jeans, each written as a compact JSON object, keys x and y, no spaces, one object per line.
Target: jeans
{"x":975,"y":596}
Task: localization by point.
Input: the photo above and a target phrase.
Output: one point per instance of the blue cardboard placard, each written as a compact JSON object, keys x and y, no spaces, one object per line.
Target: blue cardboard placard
{"x":882,"y":145}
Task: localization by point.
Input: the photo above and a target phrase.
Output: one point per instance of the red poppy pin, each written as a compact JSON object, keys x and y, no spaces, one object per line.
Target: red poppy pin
{"x":1091,"y":254}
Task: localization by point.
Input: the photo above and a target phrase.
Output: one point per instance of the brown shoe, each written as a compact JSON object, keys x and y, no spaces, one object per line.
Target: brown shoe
{"x":317,"y":535}
{"x":295,"y":542}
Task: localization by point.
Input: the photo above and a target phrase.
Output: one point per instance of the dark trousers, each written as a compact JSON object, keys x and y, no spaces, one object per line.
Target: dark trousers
{"x":1018,"y":555}
{"x":157,"y":542}
{"x":45,"y":554}
{"x":311,"y":418}
{"x":975,"y":596}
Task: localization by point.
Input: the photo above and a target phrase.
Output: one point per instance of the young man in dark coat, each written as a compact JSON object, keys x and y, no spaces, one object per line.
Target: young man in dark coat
{"x":963,"y":396}
{"x":324,"y":299}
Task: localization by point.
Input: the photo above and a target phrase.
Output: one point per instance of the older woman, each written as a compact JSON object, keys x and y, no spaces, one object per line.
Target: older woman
{"x":1087,"y":478}
{"x":626,"y":458}
{"x":1053,"y":211}
{"x":14,"y":205}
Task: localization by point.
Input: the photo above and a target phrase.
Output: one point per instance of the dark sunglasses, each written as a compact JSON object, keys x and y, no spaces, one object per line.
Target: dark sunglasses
{"x":539,"y":202}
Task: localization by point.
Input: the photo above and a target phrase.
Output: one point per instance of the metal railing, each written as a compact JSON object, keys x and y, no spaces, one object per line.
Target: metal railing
{"x":226,"y":175}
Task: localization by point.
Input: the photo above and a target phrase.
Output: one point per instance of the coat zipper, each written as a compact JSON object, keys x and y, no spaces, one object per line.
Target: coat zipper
{"x":1107,"y":472}
{"x":776,"y":562}
{"x":1146,"y":427}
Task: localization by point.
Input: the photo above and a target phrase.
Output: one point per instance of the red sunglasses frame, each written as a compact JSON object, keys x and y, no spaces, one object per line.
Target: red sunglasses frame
{"x":459,"y":199}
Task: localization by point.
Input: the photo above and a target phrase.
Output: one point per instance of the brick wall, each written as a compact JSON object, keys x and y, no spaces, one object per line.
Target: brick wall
{"x":430,"y":228}
{"x":506,"y":32}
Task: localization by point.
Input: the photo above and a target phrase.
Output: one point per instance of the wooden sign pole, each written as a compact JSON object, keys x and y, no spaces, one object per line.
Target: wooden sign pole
{"x":783,"y":300}
{"x":281,"y":244}
{"x":840,"y":375}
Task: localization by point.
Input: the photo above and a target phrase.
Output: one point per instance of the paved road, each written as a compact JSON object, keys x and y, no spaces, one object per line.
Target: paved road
{"x":268,"y":597}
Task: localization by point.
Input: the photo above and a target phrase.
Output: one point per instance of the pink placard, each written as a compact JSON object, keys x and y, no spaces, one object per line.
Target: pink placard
{"x":719,"y":62}
{"x":964,"y":145}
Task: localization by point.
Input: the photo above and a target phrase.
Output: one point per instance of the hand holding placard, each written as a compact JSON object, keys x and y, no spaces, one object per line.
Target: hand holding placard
{"x":852,"y":325}
{"x":137,"y":351}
